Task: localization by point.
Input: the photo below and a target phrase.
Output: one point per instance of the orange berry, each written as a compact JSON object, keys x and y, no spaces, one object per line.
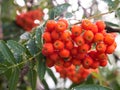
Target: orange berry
{"x":59,"y":62}
{"x":47,"y":49}
{"x":74,"y":51}
{"x":103,"y":63}
{"x":87,"y":62}
{"x":65,"y":21}
{"x":66,"y":36}
{"x":86,"y":24}
{"x":64,"y":53}
{"x":94,"y":28}
{"x":67,"y":64}
{"x":93,"y":54}
{"x":81,"y":56}
{"x":50,"y":25}
{"x":79,"y":40}
{"x":98,"y":37}
{"x":101,"y":25}
{"x":76,"y":62}
{"x":76,"y":30}
{"x":60,"y":26}
{"x":101,"y":47}
{"x":101,"y":56}
{"x":55,"y":35}
{"x":49,"y":62}
{"x":58,"y":45}
{"x":111,"y":48}
{"x":54,"y":57}
{"x":46,"y":36}
{"x":88,"y":36}
{"x":95,"y":64}
{"x":69,"y":45}
{"x":84,"y":48}
{"x":109,"y":39}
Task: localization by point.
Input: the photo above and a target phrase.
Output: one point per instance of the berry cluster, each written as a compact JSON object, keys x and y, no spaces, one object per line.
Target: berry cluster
{"x":26,"y":20}
{"x":75,"y":75}
{"x":85,"y":45}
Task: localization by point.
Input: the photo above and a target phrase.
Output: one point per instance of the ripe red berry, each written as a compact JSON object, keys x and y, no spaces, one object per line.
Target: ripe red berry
{"x":103,"y":63}
{"x":67,"y":64}
{"x":95,"y":64}
{"x":66,"y":36}
{"x":111,"y":48}
{"x":101,"y":47}
{"x":87,"y":62}
{"x":46,"y":37}
{"x":109,"y":39}
{"x":84,"y":48}
{"x":81,"y":56}
{"x":65,"y":21}
{"x":88,"y":36}
{"x":69,"y":45}
{"x":47,"y":49}
{"x":101,"y":25}
{"x":60,"y":26}
{"x":79,"y":40}
{"x":50,"y":25}
{"x":86,"y":24}
{"x":58,"y":45}
{"x":102,"y":56}
{"x":55,"y":35}
{"x":49,"y":63}
{"x":76,"y":30}
{"x":74,"y":51}
{"x":94,"y":28}
{"x":64,"y":53}
{"x":98,"y":37}
{"x":54,"y":57}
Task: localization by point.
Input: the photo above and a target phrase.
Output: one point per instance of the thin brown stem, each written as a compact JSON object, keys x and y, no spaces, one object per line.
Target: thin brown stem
{"x":94,"y":16}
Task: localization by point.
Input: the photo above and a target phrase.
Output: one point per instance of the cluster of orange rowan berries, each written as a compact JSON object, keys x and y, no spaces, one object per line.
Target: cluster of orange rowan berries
{"x":86,"y":44}
{"x":75,"y":75}
{"x":26,"y":20}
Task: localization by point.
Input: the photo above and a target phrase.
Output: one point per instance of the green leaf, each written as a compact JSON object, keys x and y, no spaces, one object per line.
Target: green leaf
{"x":117,"y":13}
{"x":33,"y":78}
{"x":6,"y":52}
{"x":73,"y":85}
{"x":32,"y":47}
{"x":89,"y":80}
{"x":111,"y":24}
{"x":112,"y":4}
{"x":16,"y":47}
{"x":18,"y":50}
{"x":38,"y":35}
{"x":41,"y":67}
{"x":68,"y":15}
{"x":14,"y":77}
{"x":91,"y":87}
{"x":45,"y":85}
{"x":114,"y":85}
{"x":58,"y":10}
{"x":3,"y":68}
{"x":52,"y":75}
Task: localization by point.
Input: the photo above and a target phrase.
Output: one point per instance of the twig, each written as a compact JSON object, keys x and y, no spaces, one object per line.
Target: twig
{"x":94,"y":16}
{"x":97,"y":15}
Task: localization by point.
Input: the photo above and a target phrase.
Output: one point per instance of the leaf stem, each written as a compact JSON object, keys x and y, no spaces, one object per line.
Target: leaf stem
{"x":30,"y":59}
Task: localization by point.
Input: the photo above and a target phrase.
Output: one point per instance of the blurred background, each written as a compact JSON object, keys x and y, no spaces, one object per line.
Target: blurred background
{"x":19,"y":17}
